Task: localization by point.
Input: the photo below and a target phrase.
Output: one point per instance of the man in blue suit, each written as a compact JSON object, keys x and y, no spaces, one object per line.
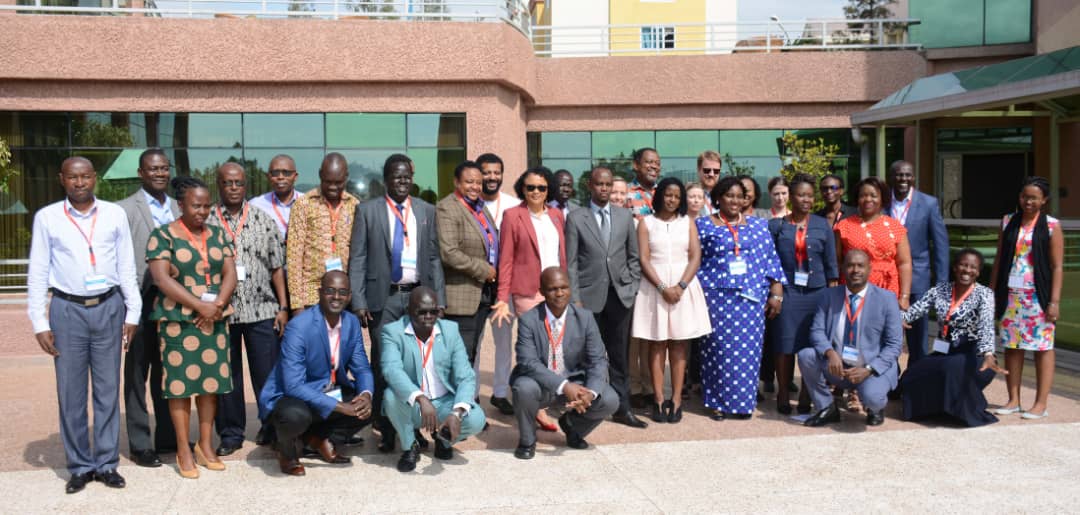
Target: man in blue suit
{"x":929,"y":242}
{"x":309,"y":394}
{"x":429,"y":379}
{"x":855,"y":339}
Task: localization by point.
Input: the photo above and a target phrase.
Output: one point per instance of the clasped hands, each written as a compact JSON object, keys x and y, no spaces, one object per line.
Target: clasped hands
{"x":836,"y":368}
{"x":578,"y":397}
{"x":359,"y":406}
{"x":207,"y":313}
{"x":429,"y":419}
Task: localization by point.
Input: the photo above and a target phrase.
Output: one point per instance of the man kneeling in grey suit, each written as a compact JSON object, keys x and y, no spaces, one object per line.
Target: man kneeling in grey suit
{"x":855,"y":339}
{"x":560,"y":361}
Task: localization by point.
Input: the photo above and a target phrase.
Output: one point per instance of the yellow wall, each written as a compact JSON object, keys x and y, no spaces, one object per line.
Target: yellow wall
{"x":638,"y":12}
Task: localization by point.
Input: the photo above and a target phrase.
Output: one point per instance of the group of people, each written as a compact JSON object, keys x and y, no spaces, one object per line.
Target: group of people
{"x":648,"y":273}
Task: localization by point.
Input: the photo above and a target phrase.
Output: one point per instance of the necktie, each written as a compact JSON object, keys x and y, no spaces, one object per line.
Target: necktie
{"x":605,"y":227}
{"x":557,"y":359}
{"x":398,"y":246}
{"x":851,"y":336}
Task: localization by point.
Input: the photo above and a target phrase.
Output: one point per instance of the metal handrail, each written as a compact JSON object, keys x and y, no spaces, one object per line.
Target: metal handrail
{"x":769,"y":36}
{"x":6,"y":277}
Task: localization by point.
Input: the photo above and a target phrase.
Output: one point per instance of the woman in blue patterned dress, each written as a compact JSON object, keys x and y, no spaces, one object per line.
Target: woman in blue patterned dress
{"x":743,"y":284}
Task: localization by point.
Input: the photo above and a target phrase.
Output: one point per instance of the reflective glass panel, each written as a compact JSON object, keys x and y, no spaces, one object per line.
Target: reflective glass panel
{"x":307,"y":167}
{"x":365,"y":130}
{"x":436,"y":130}
{"x":565,"y":144}
{"x":615,"y":144}
{"x":283,"y":130}
{"x":222,"y":130}
{"x":750,"y":143}
{"x":684,"y":143}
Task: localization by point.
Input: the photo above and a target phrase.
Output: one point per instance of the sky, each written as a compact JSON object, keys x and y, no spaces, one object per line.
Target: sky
{"x":761,"y":10}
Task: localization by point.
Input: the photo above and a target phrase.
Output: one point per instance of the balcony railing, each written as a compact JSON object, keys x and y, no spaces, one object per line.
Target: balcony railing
{"x":722,"y":38}
{"x":514,"y":12}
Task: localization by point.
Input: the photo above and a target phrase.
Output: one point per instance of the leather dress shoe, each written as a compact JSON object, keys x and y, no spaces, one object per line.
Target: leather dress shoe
{"x":875,"y":418}
{"x":573,"y":439}
{"x":265,"y":436}
{"x":420,"y":440}
{"x":739,"y":416}
{"x":525,"y":452}
{"x":146,"y":458}
{"x":825,"y":416}
{"x":326,"y":450}
{"x":227,"y":448}
{"x":408,"y":460}
{"x":78,"y":482}
{"x":443,"y":451}
{"x":783,"y":408}
{"x":503,"y":405}
{"x":627,"y":418}
{"x":290,"y":467}
{"x":802,"y":409}
{"x":111,"y":478}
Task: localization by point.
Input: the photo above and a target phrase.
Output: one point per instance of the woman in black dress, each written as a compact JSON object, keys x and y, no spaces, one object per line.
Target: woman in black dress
{"x":950,"y":380}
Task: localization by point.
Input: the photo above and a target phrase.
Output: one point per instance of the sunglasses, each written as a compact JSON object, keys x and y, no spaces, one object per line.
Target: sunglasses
{"x":341,"y":292}
{"x":536,"y":187}
{"x":427,"y":312}
{"x":282,"y":173}
{"x":831,"y":187}
{"x":232,"y":184}
{"x":710,"y":171}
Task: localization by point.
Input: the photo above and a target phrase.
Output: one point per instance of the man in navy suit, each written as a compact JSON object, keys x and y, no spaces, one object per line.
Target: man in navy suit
{"x":929,"y":242}
{"x":855,"y":339}
{"x":309,"y":394}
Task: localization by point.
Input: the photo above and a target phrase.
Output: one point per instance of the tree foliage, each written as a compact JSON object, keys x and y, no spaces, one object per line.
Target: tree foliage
{"x":737,"y":168}
{"x":868,"y":9}
{"x":7,"y":172}
{"x":812,"y":157}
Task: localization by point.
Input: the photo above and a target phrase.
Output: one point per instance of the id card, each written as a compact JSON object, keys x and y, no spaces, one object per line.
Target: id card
{"x":334,"y":264}
{"x":1016,"y":282}
{"x":408,"y":261}
{"x":941,"y":346}
{"x":334,"y":393}
{"x":850,"y":356}
{"x":737,"y":266}
{"x":749,"y":296}
{"x":95,"y":283}
{"x":208,"y":297}
{"x":802,"y":278}
{"x":241,"y":272}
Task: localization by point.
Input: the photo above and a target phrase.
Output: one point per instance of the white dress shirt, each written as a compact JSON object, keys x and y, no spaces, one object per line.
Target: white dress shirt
{"x":558,"y":325}
{"x":410,"y":245}
{"x":497,"y":207}
{"x":433,"y":387}
{"x":547,"y":239}
{"x":60,"y":258}
{"x":596,"y":212}
{"x":901,"y":207}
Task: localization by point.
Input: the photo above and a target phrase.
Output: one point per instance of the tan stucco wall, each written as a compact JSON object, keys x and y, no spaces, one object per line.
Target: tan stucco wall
{"x":1056,"y":24}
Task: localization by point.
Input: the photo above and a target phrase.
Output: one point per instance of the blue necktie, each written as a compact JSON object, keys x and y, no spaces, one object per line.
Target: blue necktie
{"x":851,"y":336}
{"x":399,"y":245}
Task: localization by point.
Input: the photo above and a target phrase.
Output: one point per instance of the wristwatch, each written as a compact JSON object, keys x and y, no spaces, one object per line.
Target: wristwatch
{"x":661,"y":287}
{"x":459,"y":413}
{"x":682,"y":285}
{"x":777,"y":297}
{"x":283,"y":308}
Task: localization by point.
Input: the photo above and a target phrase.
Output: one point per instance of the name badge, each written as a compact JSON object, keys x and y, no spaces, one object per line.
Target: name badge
{"x":1016,"y":281}
{"x":208,"y":297}
{"x":334,"y":264}
{"x":749,"y":296}
{"x":95,"y":282}
{"x":241,"y":272}
{"x":737,"y":266}
{"x":408,"y":262}
{"x":941,"y":346}
{"x":334,"y":393}
{"x":850,"y":356}
{"x":802,"y":278}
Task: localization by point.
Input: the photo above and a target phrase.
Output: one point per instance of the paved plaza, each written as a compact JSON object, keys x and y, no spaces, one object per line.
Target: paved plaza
{"x":767,"y":464}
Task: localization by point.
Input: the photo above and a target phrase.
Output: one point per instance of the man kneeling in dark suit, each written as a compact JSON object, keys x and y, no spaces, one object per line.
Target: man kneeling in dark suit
{"x":309,"y":394}
{"x":560,"y":360}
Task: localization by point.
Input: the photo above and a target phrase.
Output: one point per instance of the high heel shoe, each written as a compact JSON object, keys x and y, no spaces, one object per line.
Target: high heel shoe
{"x":547,"y":425}
{"x":187,"y":474}
{"x":674,"y":415}
{"x":1008,"y":411}
{"x":657,"y":413}
{"x":1031,"y":415}
{"x":200,"y":458}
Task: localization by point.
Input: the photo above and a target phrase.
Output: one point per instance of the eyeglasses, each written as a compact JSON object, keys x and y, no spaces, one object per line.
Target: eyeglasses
{"x":232,"y":184}
{"x":831,"y":187}
{"x":159,"y":169}
{"x":282,"y":173}
{"x":536,"y":187}
{"x":710,"y":171}
{"x":341,"y":292}
{"x":426,"y":312}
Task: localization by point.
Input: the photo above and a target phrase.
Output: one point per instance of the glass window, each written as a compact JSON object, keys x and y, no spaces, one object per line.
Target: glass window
{"x":221,"y":130}
{"x":365,"y":130}
{"x":685,"y":143}
{"x":1007,"y":21}
{"x":283,"y":130}
{"x":436,"y":130}
{"x":34,"y":129}
{"x":365,"y":170}
{"x":614,"y":144}
{"x":750,"y":143}
{"x":574,"y":166}
{"x":101,"y":130}
{"x":684,"y":168}
{"x":657,"y":36}
{"x":434,"y":171}
{"x":307,"y":161}
{"x":565,"y":144}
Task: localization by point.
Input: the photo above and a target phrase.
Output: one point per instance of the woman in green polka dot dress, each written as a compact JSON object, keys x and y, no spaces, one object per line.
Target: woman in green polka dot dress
{"x":192,"y":266}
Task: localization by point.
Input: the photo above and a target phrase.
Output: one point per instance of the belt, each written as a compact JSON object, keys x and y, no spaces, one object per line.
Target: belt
{"x":403,"y":288}
{"x":85,"y":301}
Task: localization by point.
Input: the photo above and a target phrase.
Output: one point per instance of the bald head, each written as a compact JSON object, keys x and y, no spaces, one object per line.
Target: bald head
{"x":78,"y":178}
{"x":856,"y":269}
{"x":333,"y":176}
{"x":555,"y":287}
{"x":423,"y":311}
{"x":231,"y":185}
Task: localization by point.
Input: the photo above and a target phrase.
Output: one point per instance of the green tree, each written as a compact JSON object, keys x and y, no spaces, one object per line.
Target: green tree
{"x":868,"y":9}
{"x":737,"y":167}
{"x":7,"y":172}
{"x":370,"y":6}
{"x":812,"y":157}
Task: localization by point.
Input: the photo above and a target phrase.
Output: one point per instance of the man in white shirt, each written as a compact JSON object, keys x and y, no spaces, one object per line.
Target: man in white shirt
{"x":278,"y":202}
{"x":81,"y":251}
{"x":497,"y":202}
{"x":443,"y":389}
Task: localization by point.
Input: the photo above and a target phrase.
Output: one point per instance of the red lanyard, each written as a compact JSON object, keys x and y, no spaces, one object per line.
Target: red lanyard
{"x":426,"y":356}
{"x":852,"y":319}
{"x":1020,"y":236}
{"x":274,"y":204}
{"x":734,"y":230}
{"x":402,"y":216}
{"x":800,"y":242}
{"x":479,"y":218}
{"x":89,"y":239}
{"x":555,"y":344}
{"x":902,"y":216}
{"x":953,"y":306}
{"x":240,"y":227}
{"x":203,"y":250}
{"x":773,"y":212}
{"x":335,"y":213}
{"x":335,"y":352}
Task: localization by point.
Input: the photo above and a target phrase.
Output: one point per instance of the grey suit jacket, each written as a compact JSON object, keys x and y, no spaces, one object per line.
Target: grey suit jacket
{"x":369,"y":253}
{"x":594,"y":267}
{"x":583,"y":350}
{"x":929,"y":242}
{"x":142,"y":224}
{"x":880,"y":333}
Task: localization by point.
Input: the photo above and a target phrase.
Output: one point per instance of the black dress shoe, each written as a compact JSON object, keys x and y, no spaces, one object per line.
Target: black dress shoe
{"x":627,"y":418}
{"x":387,"y":444}
{"x":443,"y":451}
{"x":716,"y":415}
{"x":657,"y":414}
{"x":503,"y":405}
{"x":78,"y":482}
{"x":802,"y":409}
{"x":111,"y":478}
{"x":265,"y":436}
{"x":227,"y":448}
{"x":146,"y":458}
{"x":408,"y":460}
{"x":875,"y":418}
{"x":573,"y":439}
{"x":354,"y":440}
{"x":525,"y":452}
{"x":675,"y":415}
{"x":784,"y":408}
{"x":738,"y":416}
{"x":826,"y":416}
{"x":420,"y":440}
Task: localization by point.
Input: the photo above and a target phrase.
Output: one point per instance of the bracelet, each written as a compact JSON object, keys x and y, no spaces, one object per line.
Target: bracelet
{"x":282,"y":308}
{"x":683,"y":285}
{"x":905,"y":295}
{"x":777,"y":297}
{"x":661,"y":287}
